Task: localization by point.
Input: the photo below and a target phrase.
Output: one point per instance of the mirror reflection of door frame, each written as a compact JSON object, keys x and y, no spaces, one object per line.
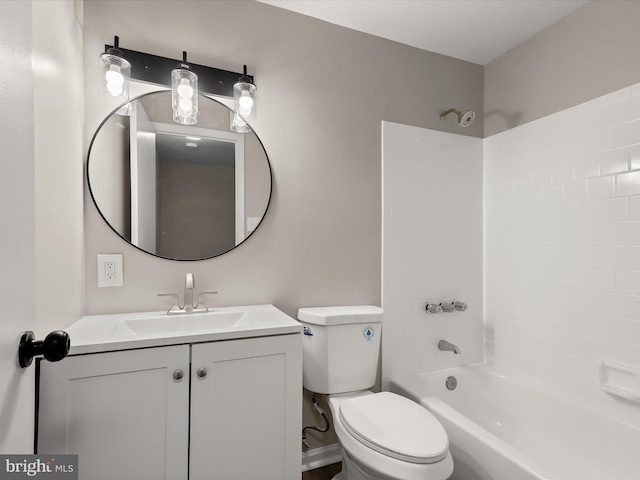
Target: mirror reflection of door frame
{"x":236,"y":138}
{"x":142,"y":188}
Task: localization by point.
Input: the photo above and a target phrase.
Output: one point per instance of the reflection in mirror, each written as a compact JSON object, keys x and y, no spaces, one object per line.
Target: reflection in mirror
{"x":176,"y":191}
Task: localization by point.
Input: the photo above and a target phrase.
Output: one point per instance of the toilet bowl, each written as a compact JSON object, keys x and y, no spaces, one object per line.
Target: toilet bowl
{"x":382,"y":436}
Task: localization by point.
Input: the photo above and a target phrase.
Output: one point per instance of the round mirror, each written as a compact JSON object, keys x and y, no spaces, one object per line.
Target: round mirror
{"x":181,"y":192}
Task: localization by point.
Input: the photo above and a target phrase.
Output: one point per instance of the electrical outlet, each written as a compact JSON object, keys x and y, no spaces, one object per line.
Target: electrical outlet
{"x":110,"y":270}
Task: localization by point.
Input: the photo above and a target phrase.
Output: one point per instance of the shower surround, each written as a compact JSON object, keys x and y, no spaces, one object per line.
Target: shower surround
{"x":561,"y":223}
{"x":432,"y":248}
{"x":562,"y":262}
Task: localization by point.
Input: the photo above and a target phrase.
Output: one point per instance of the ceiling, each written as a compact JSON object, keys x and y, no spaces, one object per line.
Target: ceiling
{"x":473,"y":30}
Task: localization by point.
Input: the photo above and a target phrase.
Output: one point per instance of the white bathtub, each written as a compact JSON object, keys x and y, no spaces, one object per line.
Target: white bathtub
{"x":501,"y":428}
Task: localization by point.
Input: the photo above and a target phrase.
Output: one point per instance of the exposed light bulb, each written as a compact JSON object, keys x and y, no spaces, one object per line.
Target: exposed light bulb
{"x":185,"y":91}
{"x":245,"y":101}
{"x":114,"y":75}
{"x":115,"y":80}
{"x":116,"y":71}
{"x":185,"y":105}
{"x":184,"y":94}
{"x":115,"y":90}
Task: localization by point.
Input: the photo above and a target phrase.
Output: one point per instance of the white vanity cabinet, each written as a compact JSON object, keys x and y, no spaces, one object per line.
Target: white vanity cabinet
{"x":123,"y":413}
{"x":234,"y":413}
{"x":246,"y":410}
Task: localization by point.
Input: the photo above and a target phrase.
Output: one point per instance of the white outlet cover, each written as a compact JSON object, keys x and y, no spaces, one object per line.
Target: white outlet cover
{"x":117,"y":280}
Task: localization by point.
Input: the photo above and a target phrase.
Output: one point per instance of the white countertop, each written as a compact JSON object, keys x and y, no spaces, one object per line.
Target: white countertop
{"x":104,"y":333}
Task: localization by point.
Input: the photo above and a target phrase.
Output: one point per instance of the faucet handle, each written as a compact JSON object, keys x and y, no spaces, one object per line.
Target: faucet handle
{"x":460,"y":306}
{"x":447,"y":306}
{"x":175,"y":301}
{"x":201,"y":305}
{"x":433,"y":308}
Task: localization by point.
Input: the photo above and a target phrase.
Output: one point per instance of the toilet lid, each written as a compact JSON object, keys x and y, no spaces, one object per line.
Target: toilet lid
{"x":395,"y":426}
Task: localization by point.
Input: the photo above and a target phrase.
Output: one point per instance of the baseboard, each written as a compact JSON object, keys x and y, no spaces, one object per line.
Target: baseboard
{"x":320,"y":457}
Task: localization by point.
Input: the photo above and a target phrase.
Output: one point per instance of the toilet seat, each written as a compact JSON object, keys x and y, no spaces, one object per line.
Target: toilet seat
{"x":395,"y":426}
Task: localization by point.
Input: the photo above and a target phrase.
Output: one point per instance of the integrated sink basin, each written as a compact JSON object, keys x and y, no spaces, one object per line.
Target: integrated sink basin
{"x":189,"y":323}
{"x":100,"y":333}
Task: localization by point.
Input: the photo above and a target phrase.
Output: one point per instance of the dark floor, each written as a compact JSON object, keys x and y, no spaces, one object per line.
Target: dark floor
{"x":324,"y":473}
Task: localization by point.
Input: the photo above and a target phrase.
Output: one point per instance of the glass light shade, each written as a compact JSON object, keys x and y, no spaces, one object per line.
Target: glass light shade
{"x":238,"y":124}
{"x":184,"y":96}
{"x":116,"y":72}
{"x":244,"y":94}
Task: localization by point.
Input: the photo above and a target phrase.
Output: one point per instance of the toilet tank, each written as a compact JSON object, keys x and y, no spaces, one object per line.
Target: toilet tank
{"x":341,"y":346}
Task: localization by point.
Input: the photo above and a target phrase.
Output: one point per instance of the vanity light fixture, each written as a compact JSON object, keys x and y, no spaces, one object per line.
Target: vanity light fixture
{"x":244,"y":95}
{"x":116,"y":71}
{"x":185,"y":81}
{"x":184,"y":93}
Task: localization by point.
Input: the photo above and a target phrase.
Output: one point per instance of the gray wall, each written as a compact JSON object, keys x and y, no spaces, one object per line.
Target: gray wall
{"x":588,"y":53}
{"x":542,"y":310}
{"x":59,"y":105}
{"x":323,"y":92}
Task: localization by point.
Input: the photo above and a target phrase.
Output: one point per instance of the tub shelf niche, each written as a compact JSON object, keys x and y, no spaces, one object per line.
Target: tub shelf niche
{"x":620,"y":380}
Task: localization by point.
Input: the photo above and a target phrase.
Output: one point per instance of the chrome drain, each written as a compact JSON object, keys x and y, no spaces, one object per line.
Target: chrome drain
{"x":451,"y":383}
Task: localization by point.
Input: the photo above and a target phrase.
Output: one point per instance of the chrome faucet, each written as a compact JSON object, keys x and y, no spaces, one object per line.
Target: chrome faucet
{"x":189,"y":285}
{"x":188,"y":306}
{"x":448,"y":347}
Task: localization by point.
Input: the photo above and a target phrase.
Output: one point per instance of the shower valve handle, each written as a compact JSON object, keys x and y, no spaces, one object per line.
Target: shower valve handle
{"x":460,"y":306}
{"x":447,"y":307}
{"x":433,"y":308}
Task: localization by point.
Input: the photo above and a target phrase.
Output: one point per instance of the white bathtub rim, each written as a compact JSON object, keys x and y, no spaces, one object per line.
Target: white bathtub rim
{"x":529,"y":382}
{"x":440,"y":408}
{"x":414,"y":387}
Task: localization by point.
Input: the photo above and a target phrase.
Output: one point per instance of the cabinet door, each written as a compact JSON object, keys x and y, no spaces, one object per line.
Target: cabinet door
{"x":246,"y":411}
{"x":123,"y":413}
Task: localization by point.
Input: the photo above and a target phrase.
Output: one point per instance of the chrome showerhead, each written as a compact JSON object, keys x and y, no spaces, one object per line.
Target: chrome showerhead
{"x":465,"y":118}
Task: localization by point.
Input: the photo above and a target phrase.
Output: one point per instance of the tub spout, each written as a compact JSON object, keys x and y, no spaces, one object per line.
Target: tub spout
{"x":448,"y":347}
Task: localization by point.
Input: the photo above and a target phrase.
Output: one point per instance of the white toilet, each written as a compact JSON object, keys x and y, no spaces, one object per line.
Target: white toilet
{"x":383,"y":436}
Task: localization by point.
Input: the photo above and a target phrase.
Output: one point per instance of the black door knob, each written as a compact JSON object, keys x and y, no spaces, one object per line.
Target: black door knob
{"x":54,"y":347}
